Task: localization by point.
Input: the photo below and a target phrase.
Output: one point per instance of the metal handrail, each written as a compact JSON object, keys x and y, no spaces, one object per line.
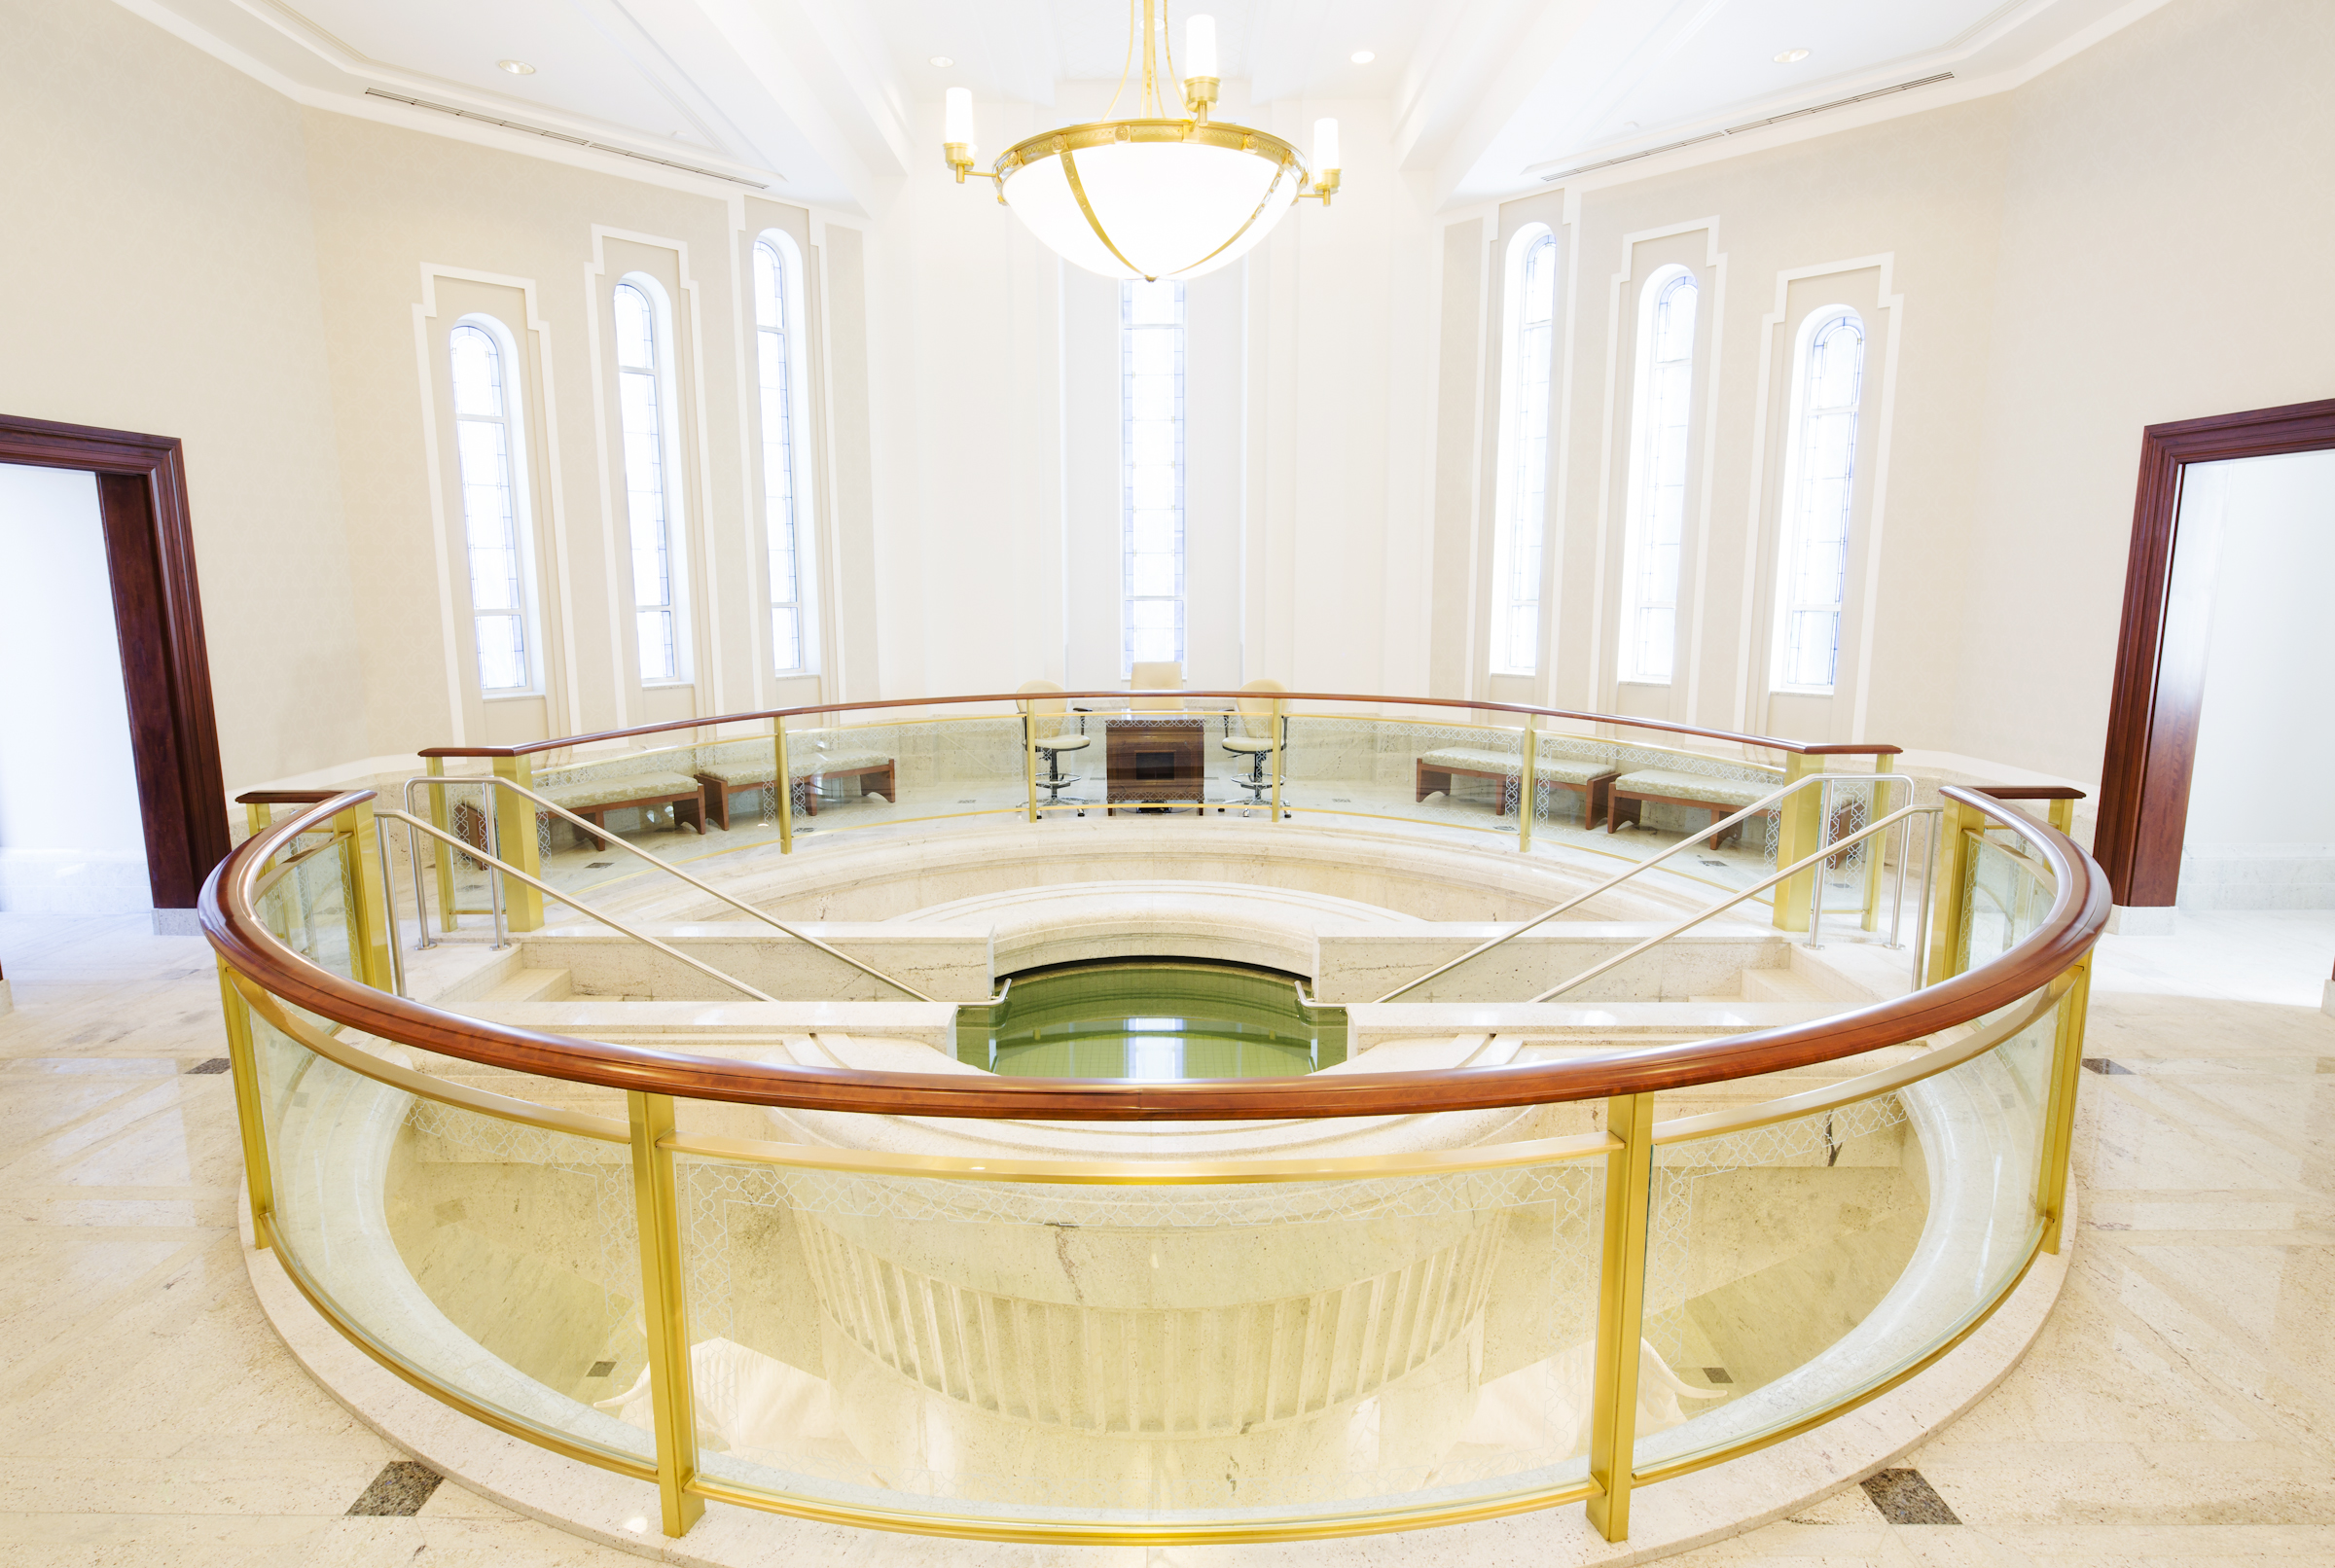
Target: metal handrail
{"x":559,"y":811}
{"x":1763,"y":804}
{"x":1904,"y":813}
{"x":434,"y":830}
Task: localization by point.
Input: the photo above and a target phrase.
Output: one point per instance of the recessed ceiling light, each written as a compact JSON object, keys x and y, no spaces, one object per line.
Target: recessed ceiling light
{"x":943,"y":61}
{"x":516,"y":68}
{"x":1791,"y":57}
{"x":1363,"y":56}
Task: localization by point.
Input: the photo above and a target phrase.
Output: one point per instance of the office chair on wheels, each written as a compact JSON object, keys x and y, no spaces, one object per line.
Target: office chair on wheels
{"x":1046,"y":715}
{"x":1258,"y":739}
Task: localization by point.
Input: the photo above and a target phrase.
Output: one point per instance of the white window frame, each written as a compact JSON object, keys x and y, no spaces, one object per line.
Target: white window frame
{"x":1520,"y":494}
{"x":1799,"y":498}
{"x":1647,"y":451}
{"x":1129,"y":598}
{"x":666,"y":442}
{"x":786,"y":509}
{"x":517,"y":512}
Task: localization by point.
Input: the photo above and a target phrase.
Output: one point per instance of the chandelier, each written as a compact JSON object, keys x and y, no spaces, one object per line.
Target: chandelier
{"x":1159,"y":195}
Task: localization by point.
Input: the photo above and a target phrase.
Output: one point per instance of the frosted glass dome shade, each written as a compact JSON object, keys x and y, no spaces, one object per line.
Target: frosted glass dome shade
{"x":1172,"y":203}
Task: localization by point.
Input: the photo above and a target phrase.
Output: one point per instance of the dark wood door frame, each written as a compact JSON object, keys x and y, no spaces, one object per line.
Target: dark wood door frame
{"x":158,"y":611}
{"x":2160,"y":650}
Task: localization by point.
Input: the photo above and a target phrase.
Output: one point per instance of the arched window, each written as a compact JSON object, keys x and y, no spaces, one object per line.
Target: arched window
{"x":1151,"y":333}
{"x":488,"y":447}
{"x":1820,"y":482}
{"x":1529,"y":317}
{"x":1658,"y":464}
{"x":777,"y":315}
{"x":645,"y":415}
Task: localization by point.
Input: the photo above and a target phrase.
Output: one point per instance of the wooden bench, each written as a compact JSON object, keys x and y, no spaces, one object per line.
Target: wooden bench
{"x":873,"y":770}
{"x":1587,"y":779}
{"x":1627,"y":796}
{"x":594,"y":799}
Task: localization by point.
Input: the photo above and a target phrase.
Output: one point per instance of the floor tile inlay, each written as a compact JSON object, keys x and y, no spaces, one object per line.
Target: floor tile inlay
{"x":397,"y":1492}
{"x":1905,"y":1498}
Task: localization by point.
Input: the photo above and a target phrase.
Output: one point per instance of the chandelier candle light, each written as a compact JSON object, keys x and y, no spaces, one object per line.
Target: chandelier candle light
{"x":1157,"y":196}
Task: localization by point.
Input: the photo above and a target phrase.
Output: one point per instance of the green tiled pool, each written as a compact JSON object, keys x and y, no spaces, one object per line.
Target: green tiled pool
{"x":1157,"y":1019}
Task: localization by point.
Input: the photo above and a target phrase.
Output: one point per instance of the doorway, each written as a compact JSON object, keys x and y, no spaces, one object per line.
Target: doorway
{"x":78,"y":496}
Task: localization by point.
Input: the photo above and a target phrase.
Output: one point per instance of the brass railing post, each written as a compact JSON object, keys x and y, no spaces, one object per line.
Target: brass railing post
{"x":1527,"y":795}
{"x":1621,"y":1312}
{"x":1949,"y":893}
{"x":515,"y":838}
{"x":2058,"y":1125}
{"x":442,"y":814}
{"x":1029,"y":756}
{"x":243,"y":1062}
{"x":1281,"y":736}
{"x":665,"y":1309}
{"x":1799,"y":834}
{"x":1884,"y":766}
{"x":783,"y":786}
{"x":372,"y":914}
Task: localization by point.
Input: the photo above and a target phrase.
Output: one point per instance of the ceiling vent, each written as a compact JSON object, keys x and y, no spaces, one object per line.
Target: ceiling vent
{"x":563,"y":136}
{"x":1749,"y":126}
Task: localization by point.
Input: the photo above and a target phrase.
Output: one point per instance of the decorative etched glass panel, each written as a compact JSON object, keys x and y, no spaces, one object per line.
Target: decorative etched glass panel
{"x":1152,"y":471}
{"x":483,"y":450}
{"x":1659,"y":461}
{"x":1819,"y":492}
{"x":1523,"y":481}
{"x":772,"y":281}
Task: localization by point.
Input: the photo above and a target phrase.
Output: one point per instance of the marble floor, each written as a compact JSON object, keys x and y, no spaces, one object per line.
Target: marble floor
{"x":2179,"y":1408}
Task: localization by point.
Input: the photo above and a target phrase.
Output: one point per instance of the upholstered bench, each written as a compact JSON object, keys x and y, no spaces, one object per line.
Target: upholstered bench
{"x":1587,"y":779}
{"x":594,"y":799}
{"x":1626,"y":796}
{"x":872,"y":770}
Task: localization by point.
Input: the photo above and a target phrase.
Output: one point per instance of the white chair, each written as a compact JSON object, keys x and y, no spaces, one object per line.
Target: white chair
{"x":1044,"y":716}
{"x":1151,"y":683}
{"x":1259,"y":737}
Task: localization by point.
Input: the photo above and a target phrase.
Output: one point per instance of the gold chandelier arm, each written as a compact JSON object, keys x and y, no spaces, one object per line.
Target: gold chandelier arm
{"x":1279,"y":175}
{"x":1078,"y":188}
{"x":1130,"y":61}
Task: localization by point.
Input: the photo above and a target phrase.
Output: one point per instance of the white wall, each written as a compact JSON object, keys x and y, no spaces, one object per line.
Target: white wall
{"x":72,"y":840}
{"x":2261,"y":831}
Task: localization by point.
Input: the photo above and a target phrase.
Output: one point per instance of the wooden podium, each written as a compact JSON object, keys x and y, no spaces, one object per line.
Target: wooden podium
{"x":1155,"y":760}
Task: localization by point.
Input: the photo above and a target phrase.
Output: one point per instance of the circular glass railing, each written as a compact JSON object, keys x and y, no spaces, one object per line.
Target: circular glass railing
{"x":738,"y":1282}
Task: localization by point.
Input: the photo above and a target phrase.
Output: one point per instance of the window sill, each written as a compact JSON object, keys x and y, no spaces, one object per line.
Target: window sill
{"x":510,"y":697}
{"x":1803,"y":691}
{"x":667,"y":686}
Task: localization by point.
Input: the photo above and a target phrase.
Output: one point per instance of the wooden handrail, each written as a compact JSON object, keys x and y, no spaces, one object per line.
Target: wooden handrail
{"x":287,"y":797}
{"x":2031,"y":792}
{"x":1768,"y":743}
{"x":2078,"y":912}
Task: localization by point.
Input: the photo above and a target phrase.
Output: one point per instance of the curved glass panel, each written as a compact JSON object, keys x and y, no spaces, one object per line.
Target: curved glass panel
{"x":494,"y":1258}
{"x":1794,"y":1265}
{"x":1146,"y":1354}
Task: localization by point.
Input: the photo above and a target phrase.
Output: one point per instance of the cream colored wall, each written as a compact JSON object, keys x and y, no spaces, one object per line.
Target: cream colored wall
{"x":2166,"y":208}
{"x":216,"y":264}
{"x":1916,"y":198}
{"x":2067,"y":256}
{"x":407,"y":227}
{"x":158,"y":251}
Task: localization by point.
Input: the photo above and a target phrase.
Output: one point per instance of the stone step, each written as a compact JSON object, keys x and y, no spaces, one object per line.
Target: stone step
{"x":530,"y":986}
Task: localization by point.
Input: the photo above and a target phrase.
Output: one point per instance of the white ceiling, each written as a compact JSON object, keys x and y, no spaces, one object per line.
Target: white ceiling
{"x":832,"y":101}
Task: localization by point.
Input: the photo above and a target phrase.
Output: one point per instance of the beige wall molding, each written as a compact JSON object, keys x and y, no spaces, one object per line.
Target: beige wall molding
{"x":1771,"y":417}
{"x":1618,"y":432}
